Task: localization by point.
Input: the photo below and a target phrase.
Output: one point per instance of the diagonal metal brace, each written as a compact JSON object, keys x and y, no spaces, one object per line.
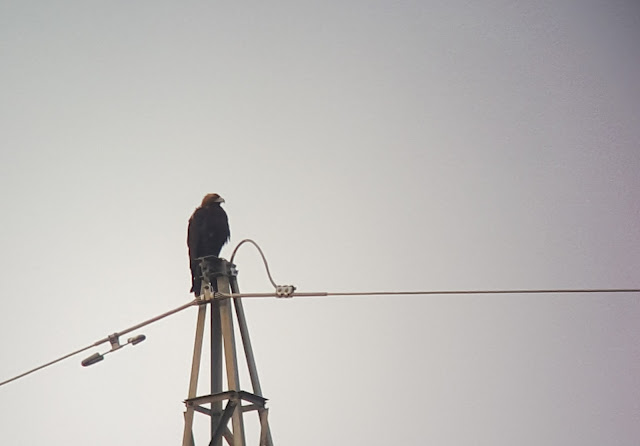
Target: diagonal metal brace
{"x":224,"y":419}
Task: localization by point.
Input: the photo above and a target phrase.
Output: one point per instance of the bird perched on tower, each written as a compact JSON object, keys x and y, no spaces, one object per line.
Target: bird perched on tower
{"x":208,"y":231}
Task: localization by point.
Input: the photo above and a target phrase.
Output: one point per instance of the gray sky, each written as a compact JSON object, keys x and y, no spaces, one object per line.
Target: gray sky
{"x":366,"y":145}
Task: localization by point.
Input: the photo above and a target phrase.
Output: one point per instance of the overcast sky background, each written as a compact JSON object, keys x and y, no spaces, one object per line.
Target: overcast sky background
{"x":365,"y":145}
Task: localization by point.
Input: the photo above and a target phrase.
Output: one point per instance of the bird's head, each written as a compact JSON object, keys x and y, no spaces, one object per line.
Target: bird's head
{"x":212,"y":198}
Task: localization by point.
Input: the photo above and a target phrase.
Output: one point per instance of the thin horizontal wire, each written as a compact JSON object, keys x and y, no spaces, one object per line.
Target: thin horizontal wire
{"x":103,"y":340}
{"x":323,"y":294}
{"x":46,"y":365}
{"x":157,"y":318}
{"x":525,"y":291}
{"x":439,"y":292}
{"x":312,"y":294}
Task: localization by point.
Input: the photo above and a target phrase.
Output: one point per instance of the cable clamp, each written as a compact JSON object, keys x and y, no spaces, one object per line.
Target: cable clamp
{"x":114,"y":339}
{"x":285,"y":291}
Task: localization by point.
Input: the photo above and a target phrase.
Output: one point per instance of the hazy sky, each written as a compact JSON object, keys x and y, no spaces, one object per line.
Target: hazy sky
{"x":366,"y":145}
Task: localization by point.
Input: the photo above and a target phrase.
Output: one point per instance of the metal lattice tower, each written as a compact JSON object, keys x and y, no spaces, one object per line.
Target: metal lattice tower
{"x":220,"y":276}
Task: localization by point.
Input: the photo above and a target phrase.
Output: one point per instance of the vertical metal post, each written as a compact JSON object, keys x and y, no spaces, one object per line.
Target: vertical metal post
{"x":187,"y":436}
{"x":246,"y":341}
{"x":231,"y":359}
{"x":251,"y":362}
{"x":216,"y":367}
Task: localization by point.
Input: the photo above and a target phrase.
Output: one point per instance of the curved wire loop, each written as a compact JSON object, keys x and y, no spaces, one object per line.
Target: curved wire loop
{"x":264,"y":259}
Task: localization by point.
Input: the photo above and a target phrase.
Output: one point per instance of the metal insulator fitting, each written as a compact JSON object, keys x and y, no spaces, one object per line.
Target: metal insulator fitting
{"x":114,"y":339}
{"x":285,"y":290}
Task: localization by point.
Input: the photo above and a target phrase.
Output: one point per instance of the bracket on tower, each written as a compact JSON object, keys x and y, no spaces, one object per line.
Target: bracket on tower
{"x":210,"y":268}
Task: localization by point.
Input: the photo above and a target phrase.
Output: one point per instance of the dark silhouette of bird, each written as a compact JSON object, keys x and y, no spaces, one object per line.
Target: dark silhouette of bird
{"x":207,"y":233}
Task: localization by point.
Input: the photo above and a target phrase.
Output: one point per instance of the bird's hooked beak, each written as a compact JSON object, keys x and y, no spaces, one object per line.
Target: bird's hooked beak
{"x":219,"y":200}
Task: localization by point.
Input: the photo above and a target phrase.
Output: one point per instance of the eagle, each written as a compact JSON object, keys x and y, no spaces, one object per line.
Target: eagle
{"x":207,"y":233}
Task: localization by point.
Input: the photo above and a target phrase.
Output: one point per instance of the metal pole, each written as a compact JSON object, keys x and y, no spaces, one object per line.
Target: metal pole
{"x":222,"y":281}
{"x":246,"y":340}
{"x":216,"y":368}
{"x":231,"y":360}
{"x":187,"y":437}
{"x":265,"y":437}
